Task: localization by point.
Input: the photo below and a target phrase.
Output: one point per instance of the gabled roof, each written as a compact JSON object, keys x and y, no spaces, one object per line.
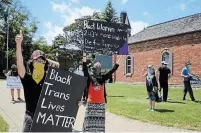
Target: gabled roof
{"x":170,"y":28}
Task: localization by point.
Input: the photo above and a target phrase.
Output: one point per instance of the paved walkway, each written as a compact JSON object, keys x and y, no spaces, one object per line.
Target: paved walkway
{"x":13,"y":113}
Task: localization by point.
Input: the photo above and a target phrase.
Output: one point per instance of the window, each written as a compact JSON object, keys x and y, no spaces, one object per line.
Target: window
{"x":128,"y":65}
{"x":166,"y":56}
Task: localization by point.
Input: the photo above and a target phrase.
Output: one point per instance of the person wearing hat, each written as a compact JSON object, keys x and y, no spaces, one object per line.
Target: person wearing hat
{"x":32,"y":81}
{"x":164,"y":73}
{"x":186,"y":74}
{"x":151,"y":71}
{"x":13,"y":72}
{"x":151,"y":84}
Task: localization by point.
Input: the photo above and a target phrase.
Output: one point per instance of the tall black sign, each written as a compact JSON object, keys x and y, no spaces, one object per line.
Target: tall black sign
{"x":104,"y":38}
{"x":58,"y":104}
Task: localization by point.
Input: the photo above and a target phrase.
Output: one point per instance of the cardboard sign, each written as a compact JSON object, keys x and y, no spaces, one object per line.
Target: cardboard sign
{"x":14,"y":82}
{"x":106,"y":61}
{"x":58,"y":104}
{"x":104,"y":38}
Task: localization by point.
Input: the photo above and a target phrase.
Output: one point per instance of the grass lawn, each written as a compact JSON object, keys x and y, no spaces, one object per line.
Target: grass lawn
{"x":129,"y":101}
{"x":3,"y":125}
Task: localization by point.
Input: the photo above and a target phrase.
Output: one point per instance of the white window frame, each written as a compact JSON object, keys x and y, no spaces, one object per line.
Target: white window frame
{"x":127,"y":66}
{"x":170,"y":62}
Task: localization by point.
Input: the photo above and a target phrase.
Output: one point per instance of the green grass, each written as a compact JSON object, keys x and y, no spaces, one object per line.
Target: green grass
{"x":3,"y":125}
{"x":129,"y":101}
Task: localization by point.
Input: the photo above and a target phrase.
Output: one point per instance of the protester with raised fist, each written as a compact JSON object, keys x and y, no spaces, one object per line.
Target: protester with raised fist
{"x":33,"y":81}
{"x":94,"y":120}
{"x":186,"y":74}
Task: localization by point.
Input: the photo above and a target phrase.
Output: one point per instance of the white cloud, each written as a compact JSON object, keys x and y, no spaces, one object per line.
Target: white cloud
{"x":60,"y":7}
{"x":75,"y":13}
{"x":53,"y":30}
{"x":146,"y":14}
{"x":75,"y":1}
{"x":124,"y":1}
{"x":182,"y":6}
{"x":137,"y":26}
{"x":68,"y":15}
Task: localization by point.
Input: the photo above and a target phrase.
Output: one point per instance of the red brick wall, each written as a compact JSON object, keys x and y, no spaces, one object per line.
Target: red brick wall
{"x":184,"y":48}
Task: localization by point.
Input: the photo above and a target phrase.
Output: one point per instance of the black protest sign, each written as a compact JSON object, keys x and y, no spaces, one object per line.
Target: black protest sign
{"x":104,"y":38}
{"x":58,"y":104}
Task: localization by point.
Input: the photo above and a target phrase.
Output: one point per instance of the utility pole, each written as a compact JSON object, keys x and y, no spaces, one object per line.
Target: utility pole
{"x":7,"y":35}
{"x":7,"y":22}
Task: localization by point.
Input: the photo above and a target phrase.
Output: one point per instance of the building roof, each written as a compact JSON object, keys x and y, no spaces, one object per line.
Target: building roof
{"x":170,"y":28}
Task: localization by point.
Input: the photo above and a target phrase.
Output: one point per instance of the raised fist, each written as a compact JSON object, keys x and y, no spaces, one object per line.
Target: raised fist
{"x":19,"y":38}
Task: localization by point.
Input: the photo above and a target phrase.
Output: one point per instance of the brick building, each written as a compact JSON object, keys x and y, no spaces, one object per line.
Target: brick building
{"x":175,"y":41}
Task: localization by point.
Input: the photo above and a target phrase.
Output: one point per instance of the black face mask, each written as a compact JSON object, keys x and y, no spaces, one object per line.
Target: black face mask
{"x":96,"y":71}
{"x":14,"y":69}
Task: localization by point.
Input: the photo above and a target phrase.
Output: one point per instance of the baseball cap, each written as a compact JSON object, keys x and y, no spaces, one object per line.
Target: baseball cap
{"x":163,"y":62}
{"x":36,"y":54}
{"x":149,"y":66}
{"x":188,"y":63}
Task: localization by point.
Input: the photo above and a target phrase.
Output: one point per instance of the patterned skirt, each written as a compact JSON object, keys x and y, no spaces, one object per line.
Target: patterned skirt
{"x":94,"y":120}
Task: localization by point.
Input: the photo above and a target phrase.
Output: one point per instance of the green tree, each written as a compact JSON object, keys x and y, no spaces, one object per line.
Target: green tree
{"x":73,"y":33}
{"x":109,"y":14}
{"x":18,"y":19}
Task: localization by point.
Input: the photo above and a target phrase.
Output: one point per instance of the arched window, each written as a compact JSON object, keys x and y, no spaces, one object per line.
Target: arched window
{"x":166,"y":56}
{"x":129,"y":62}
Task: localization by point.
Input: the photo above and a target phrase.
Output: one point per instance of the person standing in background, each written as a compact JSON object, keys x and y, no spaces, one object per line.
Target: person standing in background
{"x":152,"y":86}
{"x":13,"y":72}
{"x":164,"y":73}
{"x":186,"y":74}
{"x":150,"y":69}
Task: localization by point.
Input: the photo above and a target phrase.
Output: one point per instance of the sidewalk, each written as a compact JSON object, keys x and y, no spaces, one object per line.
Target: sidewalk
{"x":14,"y":115}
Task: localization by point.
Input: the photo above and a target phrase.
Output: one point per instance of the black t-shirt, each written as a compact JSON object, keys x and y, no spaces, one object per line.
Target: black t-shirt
{"x":32,"y":92}
{"x":164,"y":71}
{"x":13,"y":73}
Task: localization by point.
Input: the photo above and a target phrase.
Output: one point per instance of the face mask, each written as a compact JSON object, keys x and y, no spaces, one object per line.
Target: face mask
{"x":38,"y":72}
{"x":13,"y":69}
{"x":150,"y":70}
{"x":188,"y":66}
{"x":97,"y":71}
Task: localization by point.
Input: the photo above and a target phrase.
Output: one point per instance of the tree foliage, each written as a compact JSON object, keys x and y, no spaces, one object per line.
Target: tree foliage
{"x":109,"y":14}
{"x":73,"y":33}
{"x":18,"y":19}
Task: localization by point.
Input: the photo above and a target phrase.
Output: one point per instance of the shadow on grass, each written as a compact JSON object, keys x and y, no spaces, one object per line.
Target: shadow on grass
{"x":197,"y":101}
{"x":164,"y":110}
{"x":116,"y":96}
{"x":176,"y":102}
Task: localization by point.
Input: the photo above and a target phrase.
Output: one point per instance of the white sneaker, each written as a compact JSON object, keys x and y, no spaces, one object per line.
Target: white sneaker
{"x":149,"y":109}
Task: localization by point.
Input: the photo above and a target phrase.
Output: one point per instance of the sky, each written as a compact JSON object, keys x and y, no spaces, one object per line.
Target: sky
{"x":53,"y":15}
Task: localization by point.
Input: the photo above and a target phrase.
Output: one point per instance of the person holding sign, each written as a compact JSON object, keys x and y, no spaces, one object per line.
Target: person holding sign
{"x":13,"y":72}
{"x":33,"y":81}
{"x":187,"y":76}
{"x":94,"y":120}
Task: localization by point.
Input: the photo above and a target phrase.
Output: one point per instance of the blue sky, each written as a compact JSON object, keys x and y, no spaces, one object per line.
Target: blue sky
{"x":53,"y":15}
